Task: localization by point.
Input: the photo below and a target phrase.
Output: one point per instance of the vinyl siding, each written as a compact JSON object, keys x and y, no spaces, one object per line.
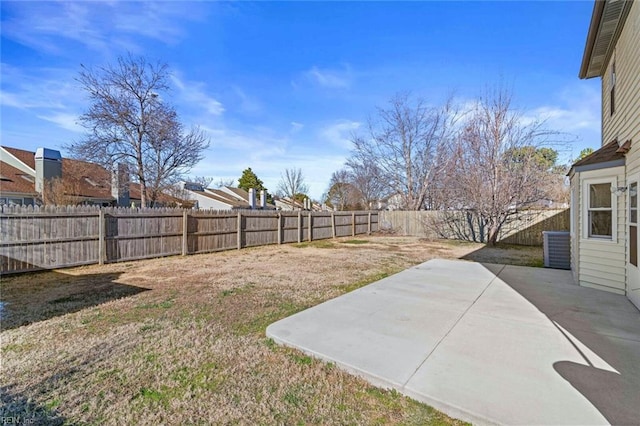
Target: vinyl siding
{"x":601,"y":264}
{"x":605,"y":255}
{"x":605,"y":288}
{"x":625,"y":122}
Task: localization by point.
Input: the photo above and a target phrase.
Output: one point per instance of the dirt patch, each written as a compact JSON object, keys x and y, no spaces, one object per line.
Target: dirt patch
{"x":181,"y":339}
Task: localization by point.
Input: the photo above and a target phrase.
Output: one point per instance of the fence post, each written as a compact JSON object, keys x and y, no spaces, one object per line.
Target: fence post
{"x":279,"y":228}
{"x":299,"y":226}
{"x":353,"y":224}
{"x":369,"y":225}
{"x":185,"y":232}
{"x":333,"y":225}
{"x":239,"y":230}
{"x":310,"y":226}
{"x":101,"y":240}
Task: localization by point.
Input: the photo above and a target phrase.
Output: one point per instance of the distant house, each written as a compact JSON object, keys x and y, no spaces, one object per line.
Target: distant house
{"x":24,"y":175}
{"x":287,"y":204}
{"x":394,"y":202}
{"x":604,"y":185}
{"x":225,"y":198}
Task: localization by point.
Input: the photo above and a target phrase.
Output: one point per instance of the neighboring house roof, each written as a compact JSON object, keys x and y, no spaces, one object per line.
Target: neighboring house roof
{"x":27,"y":157}
{"x":15,"y":180}
{"x":223,"y":197}
{"x":238,"y":193}
{"x":91,"y":180}
{"x":288,"y":202}
{"x":241,"y":194}
{"x":82,"y":179}
{"x":607,"y":18}
{"x":610,"y":155}
{"x":85,"y":179}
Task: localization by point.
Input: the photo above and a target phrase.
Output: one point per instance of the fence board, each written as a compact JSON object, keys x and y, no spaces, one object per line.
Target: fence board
{"x":343,"y":224}
{"x":290,"y":230}
{"x":55,"y":237}
{"x":35,"y":238}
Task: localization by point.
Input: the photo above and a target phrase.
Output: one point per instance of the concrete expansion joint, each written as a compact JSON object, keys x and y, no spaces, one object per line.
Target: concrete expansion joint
{"x":452,"y":327}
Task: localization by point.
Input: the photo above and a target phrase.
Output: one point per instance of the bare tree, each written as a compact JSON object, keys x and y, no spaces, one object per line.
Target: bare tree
{"x":406,"y":143}
{"x":224,"y":182}
{"x":205,"y":181}
{"x":127,"y":121}
{"x":59,"y":192}
{"x":292,"y":183}
{"x":366,"y":178}
{"x":342,"y":194}
{"x":498,"y":167}
{"x":67,"y":190}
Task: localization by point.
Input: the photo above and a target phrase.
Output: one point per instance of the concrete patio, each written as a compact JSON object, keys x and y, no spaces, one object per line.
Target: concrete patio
{"x":490,"y":344}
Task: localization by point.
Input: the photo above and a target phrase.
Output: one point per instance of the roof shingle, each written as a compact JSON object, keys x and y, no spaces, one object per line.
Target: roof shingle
{"x":609,"y":152}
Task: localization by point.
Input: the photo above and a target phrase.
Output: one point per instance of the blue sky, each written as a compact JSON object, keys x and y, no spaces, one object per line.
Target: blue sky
{"x":284,"y":84}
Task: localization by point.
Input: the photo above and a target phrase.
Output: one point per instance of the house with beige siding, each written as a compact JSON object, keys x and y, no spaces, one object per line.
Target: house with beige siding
{"x":604,"y":186}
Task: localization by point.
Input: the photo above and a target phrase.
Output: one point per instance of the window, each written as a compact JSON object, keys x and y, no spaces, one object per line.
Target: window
{"x":612,"y":86}
{"x":600,"y":211}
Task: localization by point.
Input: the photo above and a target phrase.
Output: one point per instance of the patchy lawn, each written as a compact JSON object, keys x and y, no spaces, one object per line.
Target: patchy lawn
{"x":181,"y":340}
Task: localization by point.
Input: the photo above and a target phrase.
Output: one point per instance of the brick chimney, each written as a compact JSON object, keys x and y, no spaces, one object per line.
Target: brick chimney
{"x":120,"y":184}
{"x":48,"y":166}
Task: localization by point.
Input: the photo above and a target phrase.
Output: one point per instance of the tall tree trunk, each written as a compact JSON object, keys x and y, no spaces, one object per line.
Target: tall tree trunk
{"x":492,"y":237}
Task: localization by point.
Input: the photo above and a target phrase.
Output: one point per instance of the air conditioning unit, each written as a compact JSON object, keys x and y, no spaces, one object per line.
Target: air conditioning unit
{"x":557,"y":249}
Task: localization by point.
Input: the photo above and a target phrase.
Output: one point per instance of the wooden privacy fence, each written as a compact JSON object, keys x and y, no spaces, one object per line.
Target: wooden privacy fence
{"x":524,"y":228}
{"x":48,"y":238}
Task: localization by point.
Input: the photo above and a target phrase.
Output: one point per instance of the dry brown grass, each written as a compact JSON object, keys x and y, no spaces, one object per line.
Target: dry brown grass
{"x":181,"y":340}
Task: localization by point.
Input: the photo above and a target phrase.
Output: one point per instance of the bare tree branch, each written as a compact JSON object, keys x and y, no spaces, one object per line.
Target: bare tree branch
{"x":499,"y":164}
{"x":404,"y":143}
{"x":292,"y":183}
{"x":342,"y":193}
{"x":127,"y":121}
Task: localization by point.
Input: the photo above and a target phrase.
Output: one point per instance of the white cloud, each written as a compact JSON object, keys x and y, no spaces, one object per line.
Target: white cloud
{"x":66,"y":121}
{"x":252,"y":144}
{"x":42,"y":88}
{"x":247,"y":104}
{"x":575,"y":112}
{"x":570,"y":119}
{"x":99,"y":26}
{"x":195,"y":97}
{"x":45,"y":94}
{"x":328,"y":78}
{"x":339,"y":133}
{"x":296,"y":127}
{"x":268,"y":153}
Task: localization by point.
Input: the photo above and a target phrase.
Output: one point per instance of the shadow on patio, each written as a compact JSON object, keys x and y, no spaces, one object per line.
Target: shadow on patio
{"x":604,"y":328}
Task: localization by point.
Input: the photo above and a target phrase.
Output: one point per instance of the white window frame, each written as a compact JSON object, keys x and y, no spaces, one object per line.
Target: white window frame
{"x":630,"y":180}
{"x":586,"y":184}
